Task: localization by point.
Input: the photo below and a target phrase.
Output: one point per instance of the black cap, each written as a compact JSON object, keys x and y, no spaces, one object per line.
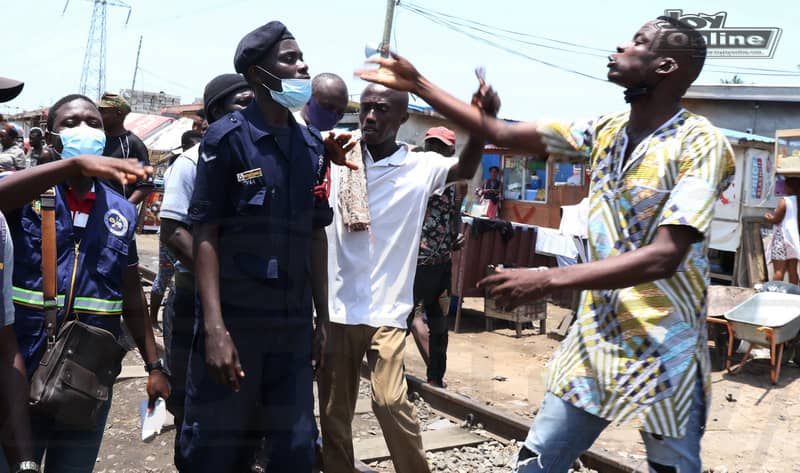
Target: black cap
{"x":9,"y":89}
{"x":219,"y":87}
{"x":256,"y":43}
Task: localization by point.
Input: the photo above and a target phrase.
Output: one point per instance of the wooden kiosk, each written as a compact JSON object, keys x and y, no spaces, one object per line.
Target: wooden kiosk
{"x":534,"y":189}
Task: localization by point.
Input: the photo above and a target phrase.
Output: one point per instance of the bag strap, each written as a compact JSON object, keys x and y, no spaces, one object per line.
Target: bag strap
{"x":49,"y":261}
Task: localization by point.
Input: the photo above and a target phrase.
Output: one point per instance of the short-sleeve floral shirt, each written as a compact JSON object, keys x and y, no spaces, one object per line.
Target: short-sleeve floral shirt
{"x":635,"y":354}
{"x":439,"y":228}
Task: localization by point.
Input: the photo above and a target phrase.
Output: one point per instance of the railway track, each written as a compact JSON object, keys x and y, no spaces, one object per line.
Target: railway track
{"x":465,"y":415}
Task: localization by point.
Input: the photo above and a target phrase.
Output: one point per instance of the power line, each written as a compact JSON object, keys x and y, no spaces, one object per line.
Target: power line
{"x":495,"y":28}
{"x":786,"y":71}
{"x":770,"y":74}
{"x":468,"y":24}
{"x":456,"y":28}
{"x":168,"y":81}
{"x":450,"y":21}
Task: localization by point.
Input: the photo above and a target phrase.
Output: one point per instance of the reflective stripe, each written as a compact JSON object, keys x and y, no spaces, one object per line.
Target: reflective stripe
{"x":84,"y":304}
{"x":97,"y":305}
{"x":35,"y":298}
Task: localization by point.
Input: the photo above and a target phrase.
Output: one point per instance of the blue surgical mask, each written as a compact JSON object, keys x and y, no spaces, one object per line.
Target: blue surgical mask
{"x":295,"y":94}
{"x":81,"y":139}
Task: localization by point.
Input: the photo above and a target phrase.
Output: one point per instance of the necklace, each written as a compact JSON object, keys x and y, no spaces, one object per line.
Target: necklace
{"x":125,"y":147}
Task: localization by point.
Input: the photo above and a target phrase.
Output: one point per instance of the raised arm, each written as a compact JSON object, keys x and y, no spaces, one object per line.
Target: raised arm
{"x":487,"y":101}
{"x":24,"y":186}
{"x":398,"y":73}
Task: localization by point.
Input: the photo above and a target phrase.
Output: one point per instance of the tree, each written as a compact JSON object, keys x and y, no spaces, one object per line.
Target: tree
{"x":733,"y":80}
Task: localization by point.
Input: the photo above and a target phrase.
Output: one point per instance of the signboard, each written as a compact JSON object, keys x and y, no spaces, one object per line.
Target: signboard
{"x":724,"y":41}
{"x":760,"y":181}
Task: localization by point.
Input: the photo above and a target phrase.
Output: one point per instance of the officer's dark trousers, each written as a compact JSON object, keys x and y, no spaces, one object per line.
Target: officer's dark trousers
{"x":430,"y":282}
{"x":178,"y":333}
{"x":222,"y":429}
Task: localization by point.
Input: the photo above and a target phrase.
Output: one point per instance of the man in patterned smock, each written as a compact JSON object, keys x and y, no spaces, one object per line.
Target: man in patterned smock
{"x":637,"y":351}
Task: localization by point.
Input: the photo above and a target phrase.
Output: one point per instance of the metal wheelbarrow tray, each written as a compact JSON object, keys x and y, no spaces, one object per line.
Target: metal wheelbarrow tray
{"x":767,"y":319}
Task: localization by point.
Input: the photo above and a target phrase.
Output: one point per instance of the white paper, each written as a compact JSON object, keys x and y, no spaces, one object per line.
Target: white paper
{"x":153,"y":422}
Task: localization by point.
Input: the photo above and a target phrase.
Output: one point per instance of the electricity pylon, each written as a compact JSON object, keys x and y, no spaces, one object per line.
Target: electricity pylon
{"x":93,"y":75}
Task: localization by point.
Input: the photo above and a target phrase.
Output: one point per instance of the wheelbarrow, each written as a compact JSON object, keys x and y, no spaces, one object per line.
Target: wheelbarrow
{"x":767,"y":319}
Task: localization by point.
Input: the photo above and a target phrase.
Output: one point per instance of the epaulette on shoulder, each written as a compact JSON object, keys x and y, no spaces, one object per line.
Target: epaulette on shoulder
{"x":217,"y":130}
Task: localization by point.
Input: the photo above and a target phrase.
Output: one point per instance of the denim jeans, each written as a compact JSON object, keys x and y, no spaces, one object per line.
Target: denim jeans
{"x":561,"y":432}
{"x":68,"y":450}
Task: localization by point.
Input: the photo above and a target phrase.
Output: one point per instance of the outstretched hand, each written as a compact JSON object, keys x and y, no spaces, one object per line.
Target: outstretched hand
{"x":337,"y":147}
{"x":395,"y":72}
{"x":124,"y":171}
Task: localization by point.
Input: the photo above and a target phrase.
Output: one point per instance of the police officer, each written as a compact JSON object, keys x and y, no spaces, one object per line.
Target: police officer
{"x":254,"y":213}
{"x":224,"y":94}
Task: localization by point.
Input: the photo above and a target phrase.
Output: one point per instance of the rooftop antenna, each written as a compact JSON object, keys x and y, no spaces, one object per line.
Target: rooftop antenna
{"x":93,"y":75}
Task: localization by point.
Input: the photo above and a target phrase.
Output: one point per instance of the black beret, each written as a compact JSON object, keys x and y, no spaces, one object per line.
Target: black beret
{"x":9,"y":89}
{"x":219,"y":87}
{"x":256,"y":43}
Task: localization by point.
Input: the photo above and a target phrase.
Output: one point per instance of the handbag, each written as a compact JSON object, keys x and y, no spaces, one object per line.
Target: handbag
{"x":77,"y":371}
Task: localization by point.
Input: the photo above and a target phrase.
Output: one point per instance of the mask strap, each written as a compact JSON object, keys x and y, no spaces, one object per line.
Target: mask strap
{"x":634,"y":93}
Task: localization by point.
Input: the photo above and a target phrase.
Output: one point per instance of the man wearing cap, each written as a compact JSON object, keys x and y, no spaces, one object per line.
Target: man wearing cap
{"x":123,"y":143}
{"x":12,"y":156}
{"x":253,"y":215}
{"x":434,"y":264}
{"x":225,"y":94}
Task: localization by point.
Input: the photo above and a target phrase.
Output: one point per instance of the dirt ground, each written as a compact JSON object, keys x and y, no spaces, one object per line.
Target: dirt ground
{"x":752,"y":425}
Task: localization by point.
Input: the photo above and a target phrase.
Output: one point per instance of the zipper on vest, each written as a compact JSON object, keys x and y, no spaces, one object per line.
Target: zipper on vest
{"x":71,"y":299}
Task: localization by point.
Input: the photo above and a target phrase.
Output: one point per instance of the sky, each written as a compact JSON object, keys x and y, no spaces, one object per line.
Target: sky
{"x":188,"y":42}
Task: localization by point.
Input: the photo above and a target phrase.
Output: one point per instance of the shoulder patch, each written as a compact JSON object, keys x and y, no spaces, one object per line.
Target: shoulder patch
{"x":115,"y":222}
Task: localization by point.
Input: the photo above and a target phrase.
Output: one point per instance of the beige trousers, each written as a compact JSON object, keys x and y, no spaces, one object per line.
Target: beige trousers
{"x":338,"y":391}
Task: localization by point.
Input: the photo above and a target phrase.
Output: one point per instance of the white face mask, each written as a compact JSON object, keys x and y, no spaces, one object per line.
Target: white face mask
{"x":295,"y":94}
{"x":81,"y":139}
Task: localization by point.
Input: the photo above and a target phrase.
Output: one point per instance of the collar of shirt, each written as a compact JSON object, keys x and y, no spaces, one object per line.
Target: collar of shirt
{"x":259,"y":128}
{"x":397,"y":158}
{"x":80,"y":208}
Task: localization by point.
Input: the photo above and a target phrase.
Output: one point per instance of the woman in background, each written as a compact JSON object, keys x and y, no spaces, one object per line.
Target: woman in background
{"x":492,"y":191}
{"x":785,"y":247}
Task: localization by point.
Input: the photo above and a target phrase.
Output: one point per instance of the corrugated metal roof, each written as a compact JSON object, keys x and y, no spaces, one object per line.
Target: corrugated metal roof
{"x":738,"y":136}
{"x":762,"y":93}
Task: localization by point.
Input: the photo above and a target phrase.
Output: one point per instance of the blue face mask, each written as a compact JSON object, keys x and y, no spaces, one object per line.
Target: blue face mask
{"x":81,"y":139}
{"x":295,"y":94}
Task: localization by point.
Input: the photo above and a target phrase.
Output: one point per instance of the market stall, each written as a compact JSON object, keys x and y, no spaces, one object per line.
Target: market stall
{"x":534,"y":190}
{"x":736,"y":253}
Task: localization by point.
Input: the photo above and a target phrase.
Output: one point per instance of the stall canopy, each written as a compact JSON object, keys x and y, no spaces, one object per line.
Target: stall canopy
{"x":164,"y":141}
{"x":144,"y":125}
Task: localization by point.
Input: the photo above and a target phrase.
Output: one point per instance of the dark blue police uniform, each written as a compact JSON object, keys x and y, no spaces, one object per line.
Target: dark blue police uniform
{"x":256,"y":183}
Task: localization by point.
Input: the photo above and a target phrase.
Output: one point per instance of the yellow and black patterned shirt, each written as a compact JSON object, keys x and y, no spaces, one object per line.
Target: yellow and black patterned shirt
{"x":634,"y":354}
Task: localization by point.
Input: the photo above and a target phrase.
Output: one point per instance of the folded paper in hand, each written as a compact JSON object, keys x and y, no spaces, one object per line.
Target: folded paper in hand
{"x":152,"y":422}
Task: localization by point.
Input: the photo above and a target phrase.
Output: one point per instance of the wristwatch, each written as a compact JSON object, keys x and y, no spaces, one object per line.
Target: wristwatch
{"x":26,"y":467}
{"x":156,"y":365}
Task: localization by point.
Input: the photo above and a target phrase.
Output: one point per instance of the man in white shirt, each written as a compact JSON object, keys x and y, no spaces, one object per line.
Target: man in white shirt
{"x":371,"y":276}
